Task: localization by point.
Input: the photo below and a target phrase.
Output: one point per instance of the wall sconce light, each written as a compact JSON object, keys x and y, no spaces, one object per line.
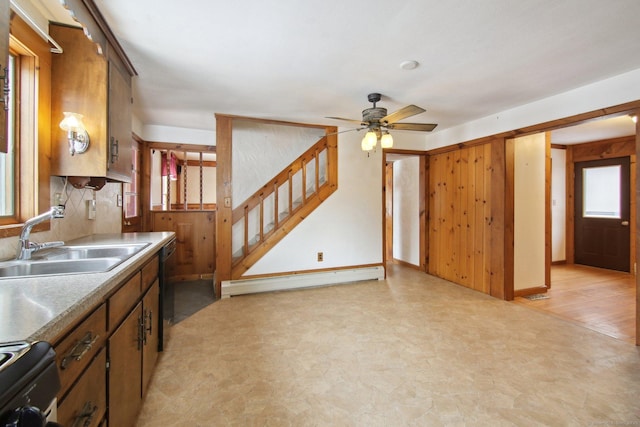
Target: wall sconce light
{"x":76,"y":133}
{"x":634,"y":118}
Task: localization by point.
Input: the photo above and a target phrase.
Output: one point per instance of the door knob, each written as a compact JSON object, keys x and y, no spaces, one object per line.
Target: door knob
{"x":625,"y":223}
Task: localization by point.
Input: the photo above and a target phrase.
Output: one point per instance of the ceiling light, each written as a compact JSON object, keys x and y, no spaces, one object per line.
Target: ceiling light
{"x":387,"y":140}
{"x":369,"y":141}
{"x":409,"y":65}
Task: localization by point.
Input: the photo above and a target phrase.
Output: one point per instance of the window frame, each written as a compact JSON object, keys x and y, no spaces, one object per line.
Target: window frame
{"x":33,"y":123}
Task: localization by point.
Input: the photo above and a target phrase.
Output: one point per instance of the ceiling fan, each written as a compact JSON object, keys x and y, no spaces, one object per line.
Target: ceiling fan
{"x":378,"y":123}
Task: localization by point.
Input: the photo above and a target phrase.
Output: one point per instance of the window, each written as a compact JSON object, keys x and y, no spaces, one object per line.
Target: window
{"x":132,"y":212}
{"x":24,"y":179}
{"x":8,"y":158}
{"x":601,"y":192}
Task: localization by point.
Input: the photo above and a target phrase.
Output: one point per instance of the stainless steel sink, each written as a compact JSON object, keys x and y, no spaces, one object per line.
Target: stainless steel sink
{"x":71,"y":260}
{"x":40,"y":268}
{"x":89,"y":252}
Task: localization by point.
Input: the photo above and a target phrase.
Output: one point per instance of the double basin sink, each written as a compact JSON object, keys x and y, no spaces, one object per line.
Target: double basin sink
{"x":71,"y":260}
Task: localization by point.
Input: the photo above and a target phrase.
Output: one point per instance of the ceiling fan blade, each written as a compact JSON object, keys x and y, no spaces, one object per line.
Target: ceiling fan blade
{"x":347,"y":120}
{"x":423,"y":127}
{"x":403,"y":113}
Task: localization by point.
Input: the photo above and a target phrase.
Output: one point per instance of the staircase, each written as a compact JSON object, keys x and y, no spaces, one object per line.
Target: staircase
{"x":276,"y":208}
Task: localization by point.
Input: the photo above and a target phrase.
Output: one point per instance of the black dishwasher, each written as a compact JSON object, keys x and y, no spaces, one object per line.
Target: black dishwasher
{"x":29,"y":383}
{"x":166,"y":292}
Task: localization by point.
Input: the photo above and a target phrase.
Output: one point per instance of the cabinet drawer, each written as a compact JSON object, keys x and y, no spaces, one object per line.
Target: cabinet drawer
{"x":86,"y":404}
{"x":74,"y":353}
{"x":149,"y":273}
{"x":123,"y":301}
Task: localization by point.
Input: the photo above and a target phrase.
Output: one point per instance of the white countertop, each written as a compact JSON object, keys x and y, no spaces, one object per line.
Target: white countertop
{"x":39,"y":308}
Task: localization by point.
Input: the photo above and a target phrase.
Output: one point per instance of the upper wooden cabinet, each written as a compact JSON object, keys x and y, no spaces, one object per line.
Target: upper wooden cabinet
{"x":95,"y":83}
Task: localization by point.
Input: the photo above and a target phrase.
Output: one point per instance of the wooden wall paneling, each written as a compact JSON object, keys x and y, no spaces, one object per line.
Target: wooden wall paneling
{"x":637,"y":220}
{"x":424,"y":211}
{"x":388,"y":214}
{"x":570,"y":208}
{"x":195,"y":256}
{"x":475,"y":221}
{"x":632,"y":213}
{"x":547,"y":210}
{"x":223,"y":200}
{"x":497,"y":220}
{"x":461,"y":212}
{"x":434,"y":213}
{"x":449,"y":217}
{"x":487,"y":173}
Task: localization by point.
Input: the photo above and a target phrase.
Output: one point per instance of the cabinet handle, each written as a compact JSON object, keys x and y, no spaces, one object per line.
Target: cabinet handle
{"x":85,"y":416}
{"x":5,"y":88}
{"x":79,"y":350}
{"x":149,"y":328}
{"x":114,"y":149}
{"x":142,"y":338}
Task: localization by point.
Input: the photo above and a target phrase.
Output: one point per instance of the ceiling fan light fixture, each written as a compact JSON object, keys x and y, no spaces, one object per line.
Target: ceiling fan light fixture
{"x":387,"y":140}
{"x":369,"y":141}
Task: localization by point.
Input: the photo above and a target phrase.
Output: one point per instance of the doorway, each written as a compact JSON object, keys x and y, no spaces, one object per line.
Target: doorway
{"x":404,"y":204}
{"x":602,"y":213}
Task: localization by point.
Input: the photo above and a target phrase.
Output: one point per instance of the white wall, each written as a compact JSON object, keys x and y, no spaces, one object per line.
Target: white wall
{"x":529,"y":211}
{"x":347,"y":227}
{"x":406,"y":210}
{"x":558,"y":204}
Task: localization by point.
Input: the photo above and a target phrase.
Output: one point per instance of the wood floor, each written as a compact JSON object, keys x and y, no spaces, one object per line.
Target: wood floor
{"x":601,"y":300}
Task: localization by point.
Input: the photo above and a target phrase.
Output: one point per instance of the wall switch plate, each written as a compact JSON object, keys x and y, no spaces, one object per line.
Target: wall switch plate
{"x":320,"y":256}
{"x":57,"y":199}
{"x":119,"y":200}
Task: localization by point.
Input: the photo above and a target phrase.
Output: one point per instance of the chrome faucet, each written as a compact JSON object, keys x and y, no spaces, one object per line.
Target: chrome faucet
{"x":26,"y":247}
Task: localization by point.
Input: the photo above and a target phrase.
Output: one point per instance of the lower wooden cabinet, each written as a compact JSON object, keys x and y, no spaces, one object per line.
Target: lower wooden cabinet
{"x":133,"y":352}
{"x":106,"y":361}
{"x":86,"y":403}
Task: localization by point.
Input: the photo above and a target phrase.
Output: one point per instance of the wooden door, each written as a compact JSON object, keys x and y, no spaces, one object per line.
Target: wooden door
{"x":602,"y":209}
{"x":125,"y":373}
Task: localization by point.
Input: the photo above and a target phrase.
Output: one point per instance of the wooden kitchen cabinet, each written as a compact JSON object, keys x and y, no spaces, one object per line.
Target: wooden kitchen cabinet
{"x":133,"y":348}
{"x":106,"y":359}
{"x":86,"y":404}
{"x":98,"y":86}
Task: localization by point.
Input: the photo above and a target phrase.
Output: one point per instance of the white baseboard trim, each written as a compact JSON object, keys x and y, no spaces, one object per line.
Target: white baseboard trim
{"x":298,"y":281}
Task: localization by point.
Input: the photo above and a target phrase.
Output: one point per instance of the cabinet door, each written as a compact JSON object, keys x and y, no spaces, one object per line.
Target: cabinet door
{"x":4,"y":59}
{"x":86,"y":404}
{"x":125,"y":373}
{"x":120,"y":152}
{"x":151,"y":304}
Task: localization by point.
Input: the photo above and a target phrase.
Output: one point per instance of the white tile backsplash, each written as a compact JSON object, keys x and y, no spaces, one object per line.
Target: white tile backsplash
{"x":75,"y":223}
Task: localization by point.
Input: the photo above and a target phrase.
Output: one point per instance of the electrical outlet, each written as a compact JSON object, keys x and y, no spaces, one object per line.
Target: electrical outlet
{"x":57,"y":199}
{"x":320,"y":256}
{"x":119,"y":200}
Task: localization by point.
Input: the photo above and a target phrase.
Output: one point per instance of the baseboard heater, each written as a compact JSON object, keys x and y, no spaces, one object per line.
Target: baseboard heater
{"x":299,"y":281}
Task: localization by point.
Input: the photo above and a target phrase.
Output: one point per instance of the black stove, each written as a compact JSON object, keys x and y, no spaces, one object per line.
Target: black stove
{"x":29,"y":383}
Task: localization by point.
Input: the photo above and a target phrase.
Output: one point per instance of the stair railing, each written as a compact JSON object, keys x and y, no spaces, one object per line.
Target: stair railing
{"x":314,"y":160}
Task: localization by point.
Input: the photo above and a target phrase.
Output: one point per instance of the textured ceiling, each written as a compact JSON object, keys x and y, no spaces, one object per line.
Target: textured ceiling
{"x":305,"y":60}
